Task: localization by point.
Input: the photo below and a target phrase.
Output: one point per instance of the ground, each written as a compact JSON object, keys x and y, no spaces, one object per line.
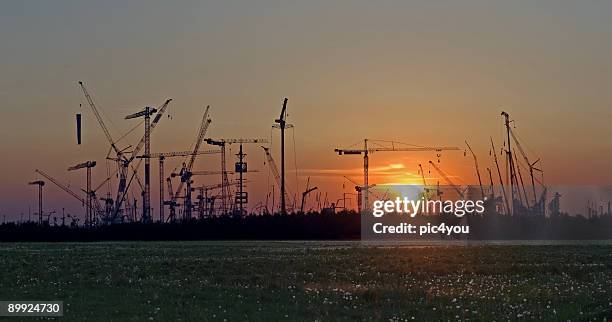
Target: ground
{"x":310,"y":281}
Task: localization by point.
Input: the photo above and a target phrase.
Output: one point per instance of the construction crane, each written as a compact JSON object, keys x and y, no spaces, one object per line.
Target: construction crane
{"x":447,"y":179}
{"x":274,"y":170}
{"x":530,"y":165}
{"x":501,"y":181}
{"x":360,"y":190}
{"x":204,"y":199}
{"x":281,"y":123}
{"x":425,"y":188}
{"x":241,"y":167}
{"x":477,"y":169}
{"x":65,"y":188}
{"x":122,"y":160}
{"x":146,"y":203}
{"x":162,"y":157}
{"x":40,"y":185}
{"x":510,"y":161}
{"x":88,"y":210}
{"x":305,"y":194}
{"x":368,"y":150}
{"x":186,"y":169}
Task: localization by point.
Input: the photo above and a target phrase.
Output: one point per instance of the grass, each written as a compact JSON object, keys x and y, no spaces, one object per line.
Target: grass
{"x":325,"y":281}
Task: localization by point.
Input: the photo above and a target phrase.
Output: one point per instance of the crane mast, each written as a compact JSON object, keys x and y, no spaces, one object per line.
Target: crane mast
{"x":477,"y":169}
{"x":241,"y":167}
{"x":274,"y":169}
{"x":185,"y":177}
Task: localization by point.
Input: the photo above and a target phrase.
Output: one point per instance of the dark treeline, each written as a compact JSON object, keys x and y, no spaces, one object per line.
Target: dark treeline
{"x":341,"y":226}
{"x":315,"y":226}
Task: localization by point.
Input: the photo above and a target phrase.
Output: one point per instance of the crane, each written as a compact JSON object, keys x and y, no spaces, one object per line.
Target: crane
{"x":305,"y":194}
{"x":425,"y":188}
{"x":40,"y":185}
{"x":281,"y":123}
{"x":530,"y":165}
{"x":185,"y":179}
{"x":161,"y":156}
{"x":204,"y":199}
{"x":275,"y":173}
{"x":477,"y":169}
{"x":146,"y":203}
{"x":368,"y":150}
{"x":360,"y":190}
{"x":88,"y":210}
{"x":121,"y":158}
{"x":64,"y":187}
{"x":241,"y":167}
{"x":447,"y":179}
{"x":501,"y":182}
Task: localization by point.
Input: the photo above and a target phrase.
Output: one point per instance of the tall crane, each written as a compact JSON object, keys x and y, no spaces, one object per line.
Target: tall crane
{"x":88,"y":210}
{"x":531,"y":165}
{"x":146,"y":202}
{"x":477,"y":169}
{"x":240,"y":167}
{"x":274,"y":169}
{"x":509,"y":161}
{"x":40,"y":185}
{"x":393,"y":148}
{"x":185,"y":178}
{"x":161,"y":156}
{"x":122,"y":160}
{"x":447,"y":179}
{"x":501,"y":181}
{"x":120,"y":154}
{"x":281,"y":122}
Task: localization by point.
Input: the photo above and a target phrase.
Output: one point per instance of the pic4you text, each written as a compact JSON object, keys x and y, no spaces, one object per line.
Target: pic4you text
{"x":412,"y":207}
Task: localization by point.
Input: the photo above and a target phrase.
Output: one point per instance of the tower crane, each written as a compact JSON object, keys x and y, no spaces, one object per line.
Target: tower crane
{"x":205,"y":200}
{"x":88,"y":210}
{"x":241,"y":167}
{"x":161,"y":156}
{"x":66,"y":189}
{"x":146,"y":203}
{"x":447,"y":179}
{"x":121,"y":158}
{"x":393,"y":148}
{"x":185,"y":179}
{"x":40,"y":185}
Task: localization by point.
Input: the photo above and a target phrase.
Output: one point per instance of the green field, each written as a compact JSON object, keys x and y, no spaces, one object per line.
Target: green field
{"x":310,"y":281}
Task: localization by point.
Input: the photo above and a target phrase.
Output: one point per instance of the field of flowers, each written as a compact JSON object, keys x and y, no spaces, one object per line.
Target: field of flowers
{"x":324,"y":281}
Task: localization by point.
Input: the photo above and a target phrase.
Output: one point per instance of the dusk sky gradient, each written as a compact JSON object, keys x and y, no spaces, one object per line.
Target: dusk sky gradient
{"x":421,"y":72}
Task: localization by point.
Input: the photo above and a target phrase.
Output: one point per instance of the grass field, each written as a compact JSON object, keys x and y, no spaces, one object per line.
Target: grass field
{"x":325,"y":281}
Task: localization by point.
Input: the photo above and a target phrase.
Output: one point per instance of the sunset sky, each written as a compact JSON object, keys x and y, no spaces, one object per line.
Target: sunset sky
{"x":420,"y":72}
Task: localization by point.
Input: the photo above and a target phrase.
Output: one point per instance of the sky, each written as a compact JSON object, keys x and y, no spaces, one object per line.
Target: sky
{"x":421,"y":72}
